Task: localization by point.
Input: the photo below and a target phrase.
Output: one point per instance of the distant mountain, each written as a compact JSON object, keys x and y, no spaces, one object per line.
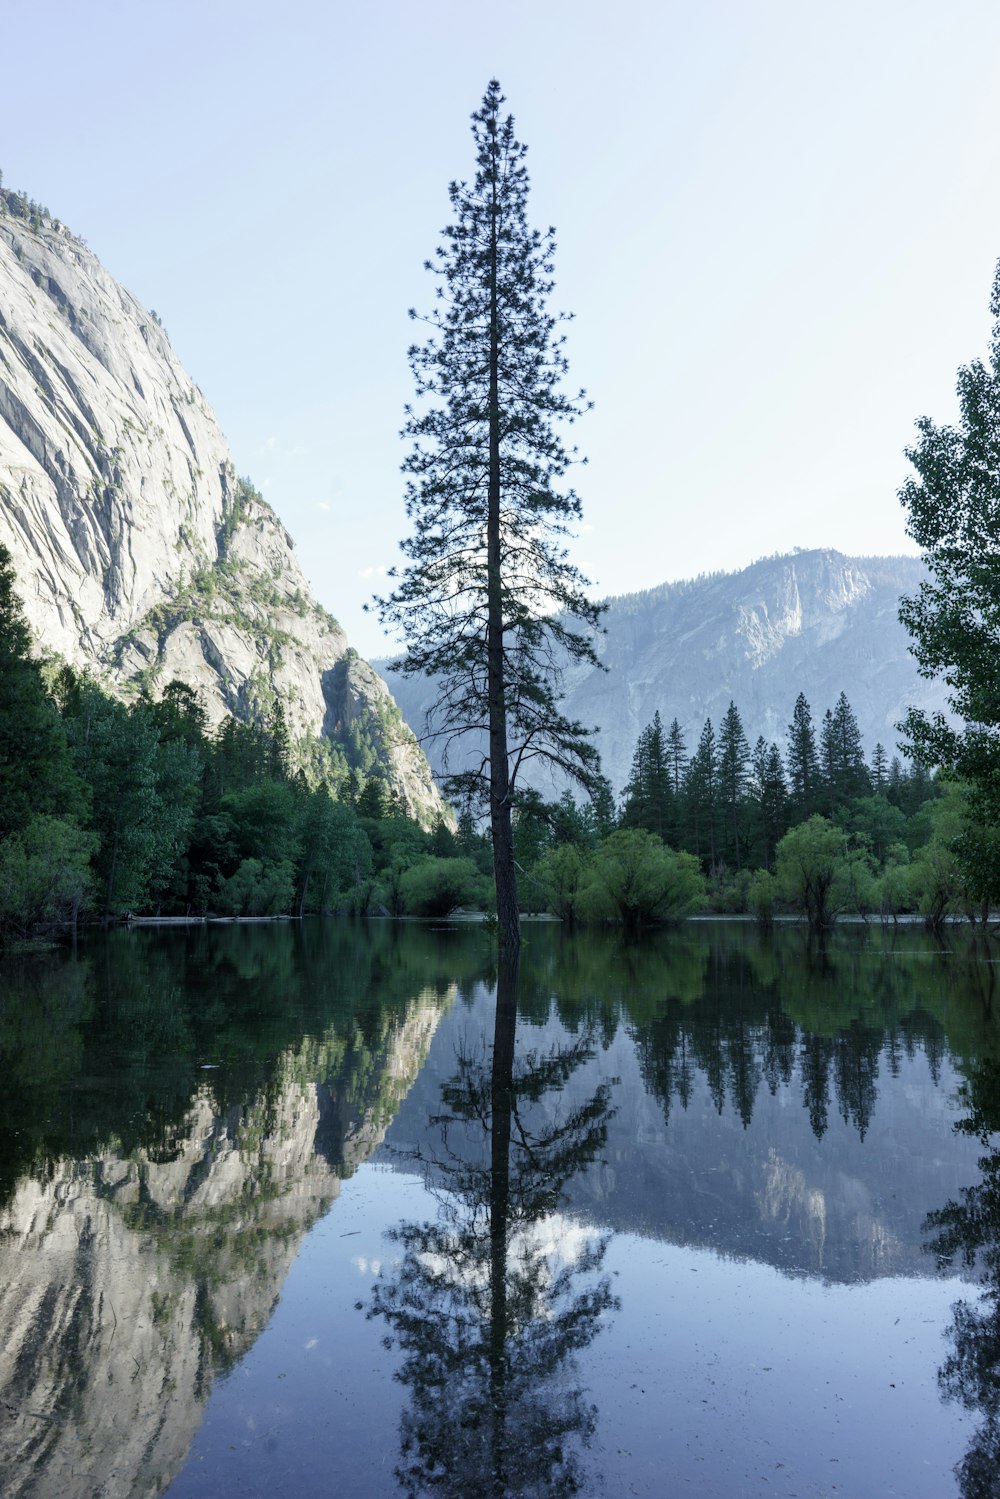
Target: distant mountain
{"x":811,"y":621}
{"x":139,"y":554}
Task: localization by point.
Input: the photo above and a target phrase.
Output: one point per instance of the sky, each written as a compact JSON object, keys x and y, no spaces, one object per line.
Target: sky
{"x":778,"y":223}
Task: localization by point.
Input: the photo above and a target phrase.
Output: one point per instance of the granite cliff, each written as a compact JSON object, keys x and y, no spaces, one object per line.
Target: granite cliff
{"x":139,"y":554}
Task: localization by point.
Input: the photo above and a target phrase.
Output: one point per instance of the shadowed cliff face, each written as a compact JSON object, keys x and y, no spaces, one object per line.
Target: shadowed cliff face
{"x":128,"y":1281}
{"x":138,"y":552}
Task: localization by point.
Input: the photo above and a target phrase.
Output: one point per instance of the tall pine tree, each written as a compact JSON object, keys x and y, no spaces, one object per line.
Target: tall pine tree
{"x":488,"y":599}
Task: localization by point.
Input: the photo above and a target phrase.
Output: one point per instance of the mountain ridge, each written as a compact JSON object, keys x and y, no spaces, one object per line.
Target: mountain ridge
{"x":811,"y":620}
{"x":139,"y":554}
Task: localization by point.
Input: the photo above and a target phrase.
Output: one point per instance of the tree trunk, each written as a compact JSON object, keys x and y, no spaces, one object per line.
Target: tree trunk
{"x":501,"y":1102}
{"x":504,"y":873}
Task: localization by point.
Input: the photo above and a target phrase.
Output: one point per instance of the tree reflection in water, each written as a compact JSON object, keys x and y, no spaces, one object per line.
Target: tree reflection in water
{"x":969,"y":1230}
{"x":489,"y":1302}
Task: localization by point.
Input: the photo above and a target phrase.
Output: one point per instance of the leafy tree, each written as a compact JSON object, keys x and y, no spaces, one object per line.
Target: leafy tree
{"x":810,"y":858}
{"x":802,"y":761}
{"x":761,"y":897}
{"x":257,"y":888}
{"x":488,"y":599}
{"x":436,"y":887}
{"x":562,"y":873}
{"x":953,"y":506}
{"x":44,"y":875}
{"x":637,"y":880}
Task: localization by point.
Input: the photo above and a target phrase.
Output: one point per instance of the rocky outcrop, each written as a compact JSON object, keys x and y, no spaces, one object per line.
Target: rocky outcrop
{"x":128,"y":1283}
{"x":814,"y":622}
{"x":139,"y":553}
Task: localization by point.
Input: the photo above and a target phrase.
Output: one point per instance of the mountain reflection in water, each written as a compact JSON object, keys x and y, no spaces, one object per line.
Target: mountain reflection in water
{"x":181,"y":1112}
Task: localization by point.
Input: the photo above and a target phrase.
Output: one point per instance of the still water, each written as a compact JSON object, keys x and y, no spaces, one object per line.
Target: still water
{"x":336,"y":1209}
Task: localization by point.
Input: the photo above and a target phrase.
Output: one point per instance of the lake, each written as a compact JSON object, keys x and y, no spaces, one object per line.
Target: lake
{"x":321,"y":1208}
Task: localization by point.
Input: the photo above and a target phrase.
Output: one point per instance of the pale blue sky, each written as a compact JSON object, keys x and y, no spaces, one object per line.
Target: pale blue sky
{"x":778,"y":223}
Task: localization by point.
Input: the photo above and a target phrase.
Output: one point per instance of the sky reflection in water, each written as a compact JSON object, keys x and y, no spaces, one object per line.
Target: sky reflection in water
{"x":710,"y":1229}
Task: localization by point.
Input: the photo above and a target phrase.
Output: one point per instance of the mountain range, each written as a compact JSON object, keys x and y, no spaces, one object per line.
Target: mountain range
{"x":815,"y":622}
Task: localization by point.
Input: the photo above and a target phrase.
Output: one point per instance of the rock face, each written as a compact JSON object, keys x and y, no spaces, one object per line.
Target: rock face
{"x":128,"y":1282}
{"x":814,"y":622}
{"x":139,"y":554}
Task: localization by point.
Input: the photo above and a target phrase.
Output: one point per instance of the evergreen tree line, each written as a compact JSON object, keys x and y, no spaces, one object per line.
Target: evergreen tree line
{"x":731,"y":805}
{"x":815,"y":831}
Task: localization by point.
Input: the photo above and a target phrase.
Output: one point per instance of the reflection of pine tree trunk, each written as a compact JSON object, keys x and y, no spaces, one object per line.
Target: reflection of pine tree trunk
{"x":501,"y":1102}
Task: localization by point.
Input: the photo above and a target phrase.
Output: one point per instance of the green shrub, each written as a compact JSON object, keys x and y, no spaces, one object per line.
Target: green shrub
{"x":435,"y":887}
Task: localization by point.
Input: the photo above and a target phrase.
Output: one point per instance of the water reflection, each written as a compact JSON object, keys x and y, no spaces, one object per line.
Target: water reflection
{"x":492,"y":1298}
{"x":179,"y":1110}
{"x":176,"y":1116}
{"x":967,"y":1229}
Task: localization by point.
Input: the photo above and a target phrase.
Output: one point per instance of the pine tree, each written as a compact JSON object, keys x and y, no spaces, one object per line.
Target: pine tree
{"x":851,"y":770}
{"x":488,"y":600}
{"x":769,"y":792}
{"x":676,"y":756}
{"x":734,"y":780}
{"x":701,"y":797}
{"x":803,"y":762}
{"x":880,"y":770}
{"x":842,"y":761}
{"x":648,"y":794}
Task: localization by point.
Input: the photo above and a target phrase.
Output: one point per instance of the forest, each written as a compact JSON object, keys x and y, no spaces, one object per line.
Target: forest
{"x":112,"y":809}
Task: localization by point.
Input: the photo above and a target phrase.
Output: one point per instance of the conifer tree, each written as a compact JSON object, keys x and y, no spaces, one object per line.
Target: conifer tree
{"x":880,"y":769}
{"x":701,"y":796}
{"x":488,"y":600}
{"x":36,"y":773}
{"x":802,"y":761}
{"x":648,"y":795}
{"x":734,"y":779}
{"x":676,"y":756}
{"x":851,"y":771}
{"x":842,"y":760}
{"x":770,"y":796}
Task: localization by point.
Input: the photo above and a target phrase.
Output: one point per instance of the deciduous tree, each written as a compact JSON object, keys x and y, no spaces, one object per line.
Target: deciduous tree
{"x":953,"y":505}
